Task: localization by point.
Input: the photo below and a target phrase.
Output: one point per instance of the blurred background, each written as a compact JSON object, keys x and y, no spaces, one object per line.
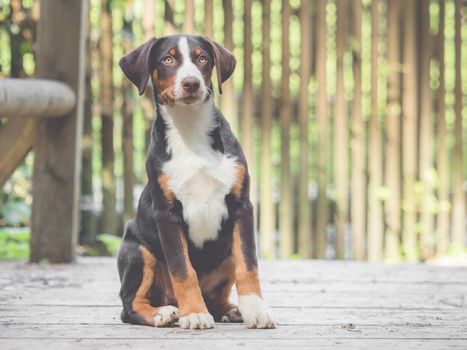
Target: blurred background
{"x":352,"y":115}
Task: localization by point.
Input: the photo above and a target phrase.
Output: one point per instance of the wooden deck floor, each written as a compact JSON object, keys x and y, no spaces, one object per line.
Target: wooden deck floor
{"x":338,"y":305}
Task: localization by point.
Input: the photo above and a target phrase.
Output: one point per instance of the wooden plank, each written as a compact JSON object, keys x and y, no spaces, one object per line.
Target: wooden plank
{"x":234,"y":331}
{"x":35,"y":98}
{"x":221,"y":344}
{"x":305,"y":271}
{"x":16,"y":138}
{"x":102,"y":315}
{"x":60,"y":55}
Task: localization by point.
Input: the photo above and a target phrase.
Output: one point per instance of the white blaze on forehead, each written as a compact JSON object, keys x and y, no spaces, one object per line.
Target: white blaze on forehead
{"x":188,"y":68}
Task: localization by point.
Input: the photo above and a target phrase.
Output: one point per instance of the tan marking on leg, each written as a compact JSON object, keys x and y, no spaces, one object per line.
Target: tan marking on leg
{"x":187,"y":290}
{"x":163,"y":180}
{"x":141,"y":304}
{"x":247,"y":282}
{"x":240,"y":177}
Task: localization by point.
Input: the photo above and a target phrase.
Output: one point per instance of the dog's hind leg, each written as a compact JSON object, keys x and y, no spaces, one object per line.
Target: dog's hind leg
{"x":137,"y":268}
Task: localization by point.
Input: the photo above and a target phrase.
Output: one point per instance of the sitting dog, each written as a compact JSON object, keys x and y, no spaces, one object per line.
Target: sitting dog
{"x":193,"y":235}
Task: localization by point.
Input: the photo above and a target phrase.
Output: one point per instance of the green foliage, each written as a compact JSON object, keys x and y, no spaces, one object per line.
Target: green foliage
{"x":14,"y":243}
{"x":15,"y":212}
{"x":111,"y":242}
{"x":15,"y":197}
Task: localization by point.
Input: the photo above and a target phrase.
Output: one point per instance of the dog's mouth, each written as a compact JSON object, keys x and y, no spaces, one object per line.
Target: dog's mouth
{"x":190,"y":98}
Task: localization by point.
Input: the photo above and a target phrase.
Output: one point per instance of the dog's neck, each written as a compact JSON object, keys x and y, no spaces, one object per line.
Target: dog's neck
{"x":193,"y":124}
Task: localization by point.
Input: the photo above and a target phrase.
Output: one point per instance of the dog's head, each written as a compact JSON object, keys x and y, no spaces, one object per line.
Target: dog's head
{"x":180,"y":67}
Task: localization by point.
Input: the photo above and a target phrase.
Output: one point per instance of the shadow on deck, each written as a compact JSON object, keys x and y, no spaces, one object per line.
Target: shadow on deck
{"x":318,"y":304}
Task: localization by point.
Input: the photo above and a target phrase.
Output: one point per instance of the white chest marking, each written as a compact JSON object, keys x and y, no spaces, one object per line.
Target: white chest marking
{"x":199,"y":177}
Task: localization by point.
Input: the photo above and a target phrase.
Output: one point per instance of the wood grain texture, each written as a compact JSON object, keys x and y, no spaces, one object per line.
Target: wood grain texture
{"x":318,"y":304}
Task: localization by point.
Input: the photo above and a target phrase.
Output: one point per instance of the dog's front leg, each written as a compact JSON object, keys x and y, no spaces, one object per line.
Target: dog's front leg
{"x":254,"y":310}
{"x":192,"y":309}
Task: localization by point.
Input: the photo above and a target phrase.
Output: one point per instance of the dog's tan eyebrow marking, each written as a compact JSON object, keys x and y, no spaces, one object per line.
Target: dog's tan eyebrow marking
{"x":240,"y":177}
{"x":172,"y":51}
{"x":197,"y":51}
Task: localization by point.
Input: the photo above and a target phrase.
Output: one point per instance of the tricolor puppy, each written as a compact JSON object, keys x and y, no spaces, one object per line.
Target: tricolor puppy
{"x":192,"y":237}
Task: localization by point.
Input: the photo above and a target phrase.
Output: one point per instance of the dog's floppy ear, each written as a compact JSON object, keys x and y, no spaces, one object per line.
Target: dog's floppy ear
{"x":136,"y":64}
{"x":224,"y":61}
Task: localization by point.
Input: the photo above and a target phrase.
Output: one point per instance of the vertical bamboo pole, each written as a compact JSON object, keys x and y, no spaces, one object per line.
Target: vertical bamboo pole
{"x":304,"y":221}
{"x":208,"y":15}
{"x":321,"y":112}
{"x":458,"y":212}
{"x":426,"y":130}
{"x":148,"y":108}
{"x":393,"y":129}
{"x":267,"y":220}
{"x":409,"y":130}
{"x":375,"y":210}
{"x":358,"y":133}
{"x":127,"y":125}
{"x":229,"y":105}
{"x":248,"y":118}
{"x":109,"y":217}
{"x":189,"y":21}
{"x":442,"y":152}
{"x":341,"y":133}
{"x":285,"y":205}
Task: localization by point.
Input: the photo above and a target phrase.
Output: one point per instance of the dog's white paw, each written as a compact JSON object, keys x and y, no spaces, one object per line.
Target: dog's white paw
{"x":255,"y":312}
{"x":166,"y":316}
{"x":201,"y":320}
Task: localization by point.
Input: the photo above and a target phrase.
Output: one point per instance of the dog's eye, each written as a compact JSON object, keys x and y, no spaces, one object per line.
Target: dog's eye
{"x":168,"y":60}
{"x":202,"y":59}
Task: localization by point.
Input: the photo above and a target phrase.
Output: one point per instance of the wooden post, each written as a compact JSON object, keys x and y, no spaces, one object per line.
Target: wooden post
{"x":60,"y":55}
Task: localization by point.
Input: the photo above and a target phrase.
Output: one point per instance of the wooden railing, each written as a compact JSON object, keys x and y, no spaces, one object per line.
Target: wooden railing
{"x":46,"y":115}
{"x":22,"y":101}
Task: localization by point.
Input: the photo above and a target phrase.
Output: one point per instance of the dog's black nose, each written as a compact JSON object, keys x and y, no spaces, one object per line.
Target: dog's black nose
{"x":190,"y":84}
